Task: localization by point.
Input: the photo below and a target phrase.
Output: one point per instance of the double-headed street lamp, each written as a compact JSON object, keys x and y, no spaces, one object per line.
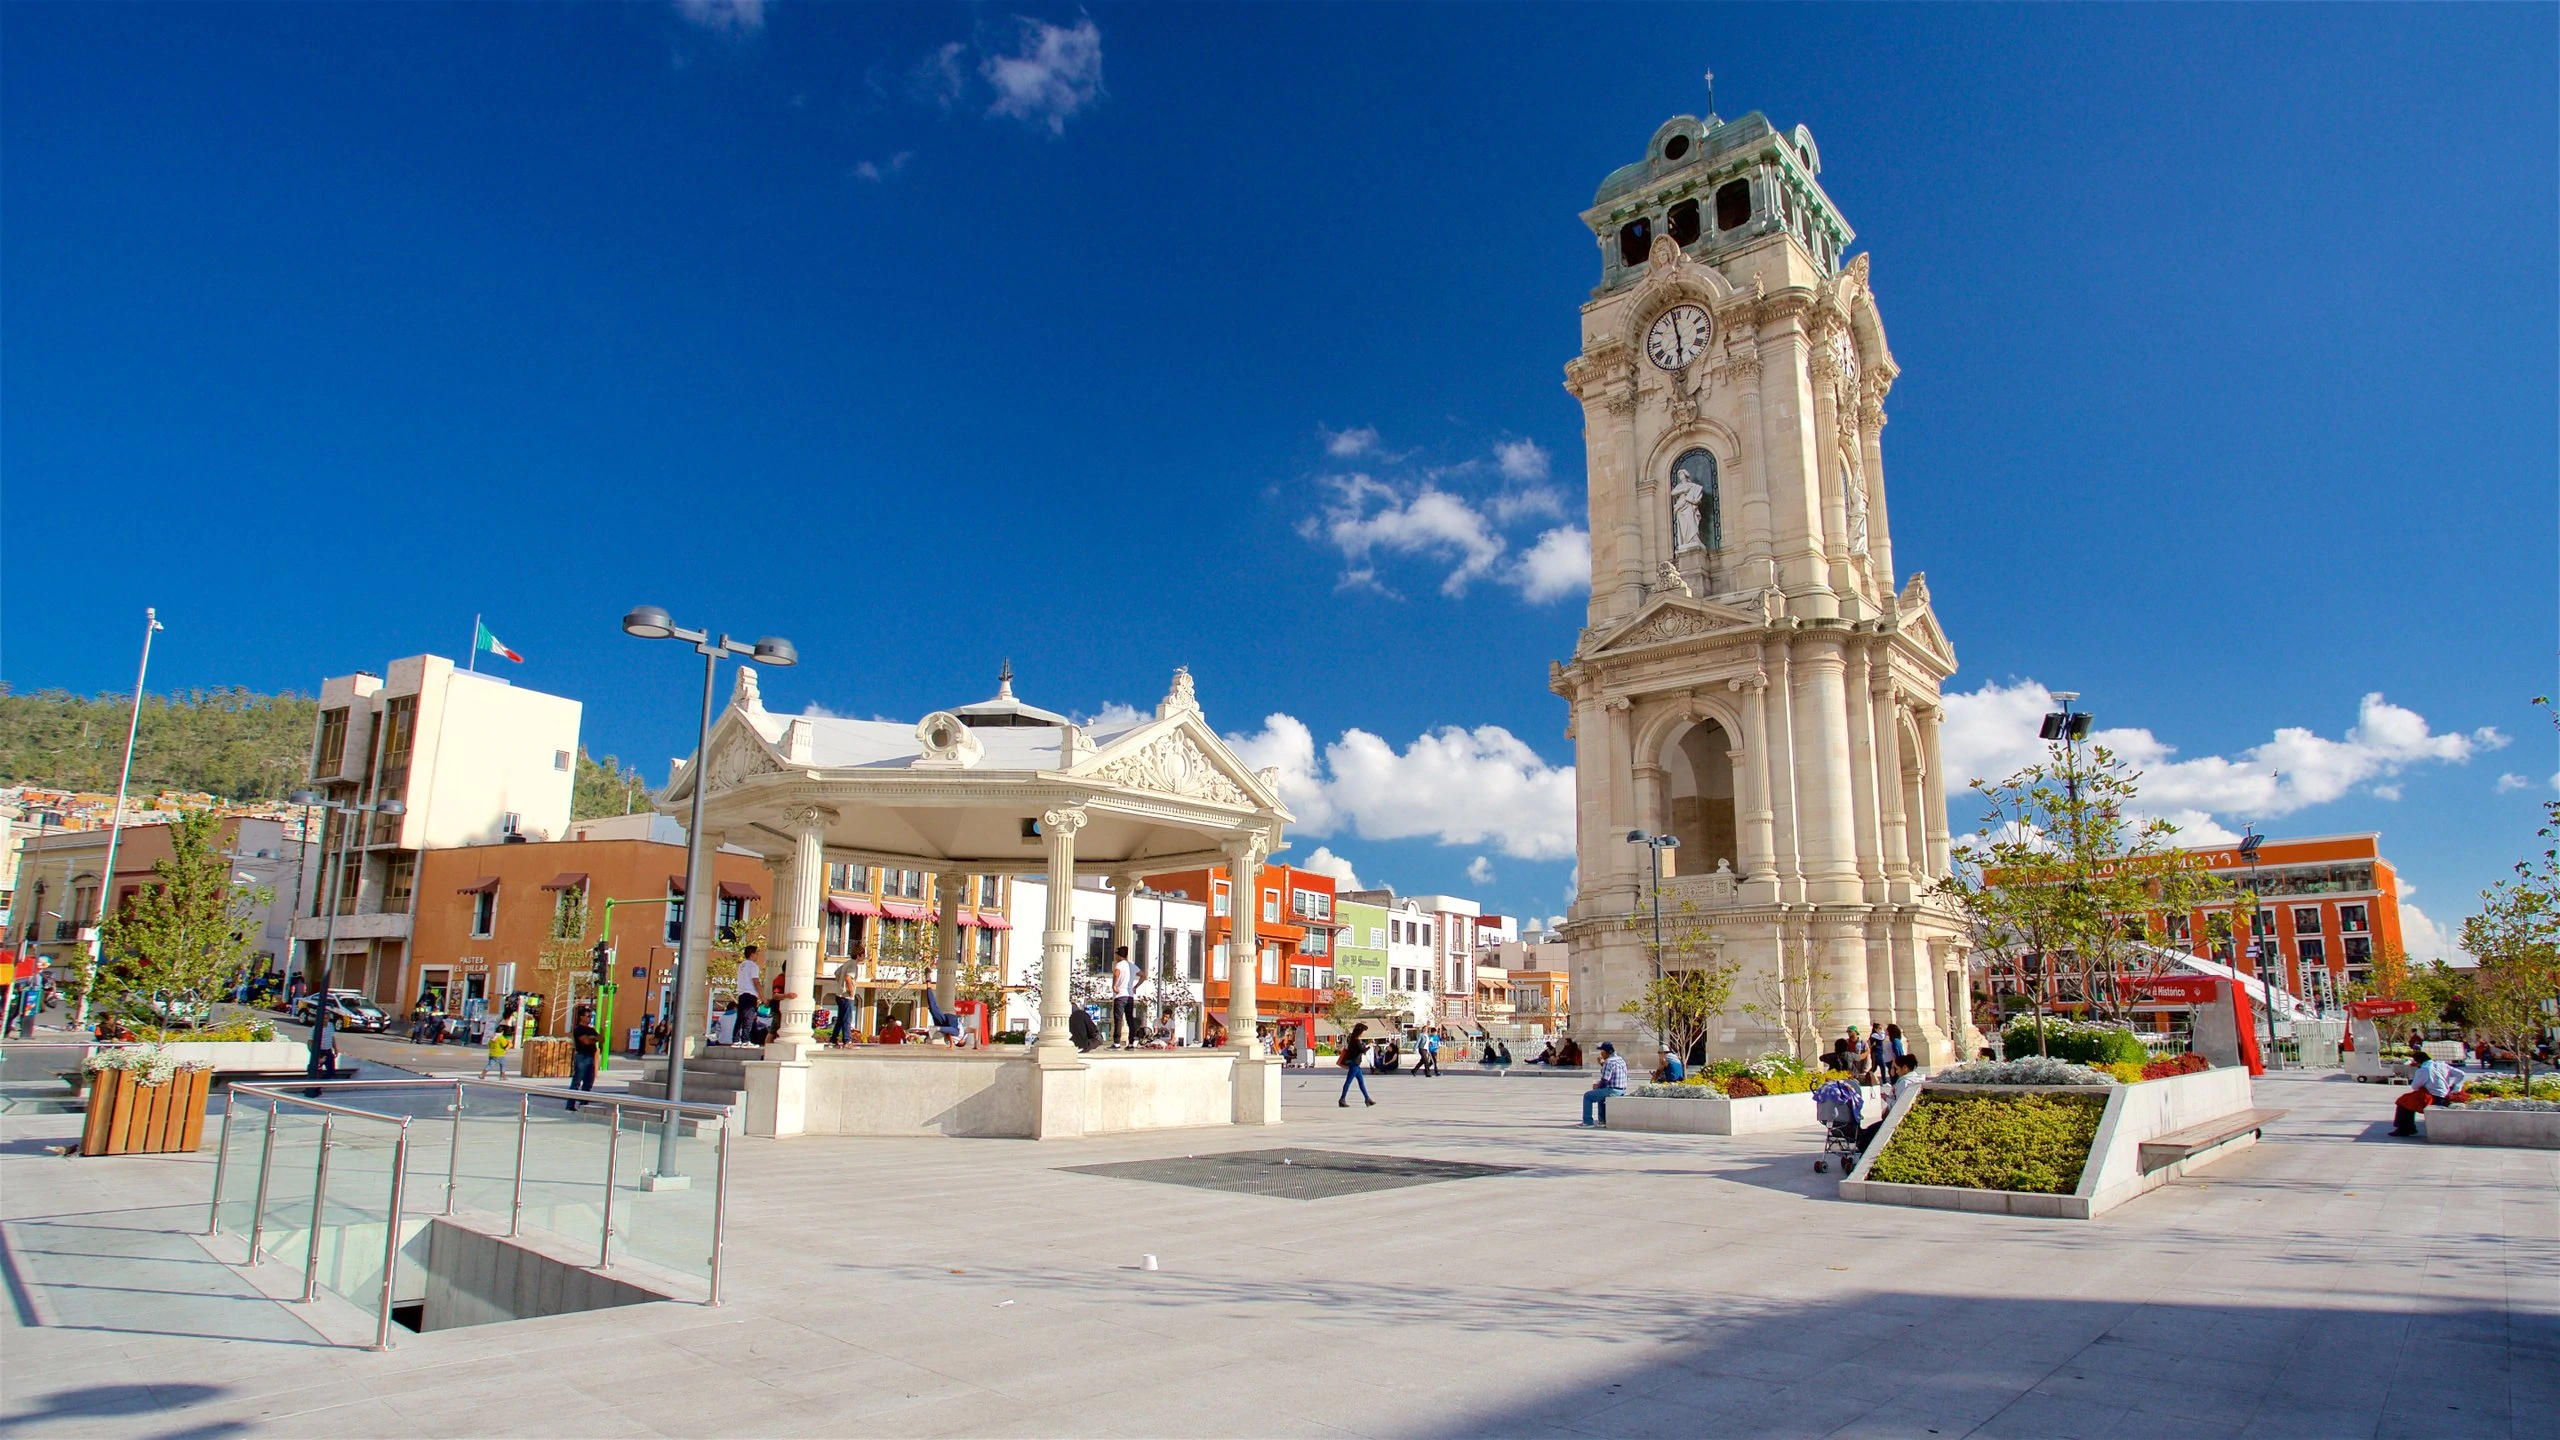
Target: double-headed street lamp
{"x":1654,"y":846}
{"x":649,"y":622}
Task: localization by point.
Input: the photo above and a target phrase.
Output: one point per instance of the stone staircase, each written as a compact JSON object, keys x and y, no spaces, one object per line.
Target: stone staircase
{"x":716,"y":1077}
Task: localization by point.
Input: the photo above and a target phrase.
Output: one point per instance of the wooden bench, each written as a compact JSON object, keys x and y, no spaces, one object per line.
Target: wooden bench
{"x":2162,"y":1151}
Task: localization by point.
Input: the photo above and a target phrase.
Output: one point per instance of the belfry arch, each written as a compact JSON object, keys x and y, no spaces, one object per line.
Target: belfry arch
{"x":1698,"y":797}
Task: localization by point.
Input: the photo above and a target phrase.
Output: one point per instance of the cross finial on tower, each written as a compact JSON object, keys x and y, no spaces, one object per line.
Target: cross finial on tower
{"x":1711,"y":97}
{"x":1004,"y":680}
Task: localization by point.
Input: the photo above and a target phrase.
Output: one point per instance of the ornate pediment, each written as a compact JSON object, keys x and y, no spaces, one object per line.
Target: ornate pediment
{"x":1914,"y":619}
{"x":1673,"y":618}
{"x":737,"y":760}
{"x":1175,"y":763}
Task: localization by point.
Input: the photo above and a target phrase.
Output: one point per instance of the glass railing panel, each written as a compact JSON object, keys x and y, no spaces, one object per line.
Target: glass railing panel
{"x":291,"y":1166}
{"x":238,"y":1138}
{"x":564,"y":1161}
{"x":667,"y":1225}
{"x":359,"y":1207}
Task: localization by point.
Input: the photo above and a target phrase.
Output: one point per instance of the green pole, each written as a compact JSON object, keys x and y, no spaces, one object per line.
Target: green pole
{"x":604,"y":997}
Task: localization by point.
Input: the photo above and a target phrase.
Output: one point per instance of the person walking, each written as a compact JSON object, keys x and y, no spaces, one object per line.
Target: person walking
{"x":1613,"y":1082}
{"x":494,"y":1062}
{"x":1124,"y":1001}
{"x":1879,"y":1059}
{"x":324,"y":1043}
{"x":1427,"y":1053}
{"x":1354,"y":1057}
{"x":584,"y":1041}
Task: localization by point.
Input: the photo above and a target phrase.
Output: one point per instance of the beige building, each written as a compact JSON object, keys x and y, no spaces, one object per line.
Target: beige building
{"x":472,"y":760}
{"x":1752,"y":678}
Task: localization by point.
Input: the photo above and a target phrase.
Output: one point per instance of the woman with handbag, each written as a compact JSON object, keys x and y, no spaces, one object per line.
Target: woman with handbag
{"x":1354,"y":1048}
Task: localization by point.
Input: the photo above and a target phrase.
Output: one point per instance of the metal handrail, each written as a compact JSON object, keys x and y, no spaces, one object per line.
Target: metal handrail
{"x":277,"y":1097}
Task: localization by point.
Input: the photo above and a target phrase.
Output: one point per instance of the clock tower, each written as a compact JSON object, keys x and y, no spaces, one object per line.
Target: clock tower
{"x":1753,"y":680}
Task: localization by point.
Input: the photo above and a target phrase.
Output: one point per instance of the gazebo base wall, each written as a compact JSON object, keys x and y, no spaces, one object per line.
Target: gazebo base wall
{"x":1005,"y":1094}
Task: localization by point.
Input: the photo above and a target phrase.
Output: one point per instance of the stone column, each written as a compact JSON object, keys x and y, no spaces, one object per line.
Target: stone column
{"x":1864,"y":802}
{"x":1759,"y":849}
{"x":802,"y":931}
{"x":1058,"y":937}
{"x":1888,"y":731}
{"x":1871,"y":444}
{"x":1915,"y":855}
{"x":1627,"y":524}
{"x":699,"y":932}
{"x":948,"y":888}
{"x":1621,"y":786}
{"x":1244,"y":951}
{"x":1653,"y":814}
{"x":1825,"y":819}
{"x":1833,"y":476}
{"x":1124,"y":894}
{"x":1790,"y":453}
{"x":1788,"y":855}
{"x":1757,"y":544}
{"x":1933,"y":792}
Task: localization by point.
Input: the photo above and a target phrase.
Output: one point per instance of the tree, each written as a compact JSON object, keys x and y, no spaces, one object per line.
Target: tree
{"x":230,"y":743}
{"x":567,"y":959}
{"x":1692,"y":980}
{"x":2516,"y":939}
{"x":604,"y":788}
{"x":2066,"y":890}
{"x":1342,"y":1006}
{"x":1795,"y":998}
{"x":187,"y":939}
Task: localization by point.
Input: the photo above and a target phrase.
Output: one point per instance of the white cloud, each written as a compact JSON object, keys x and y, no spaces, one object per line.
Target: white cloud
{"x":1055,"y":72}
{"x":1480,"y":870}
{"x":2424,"y":939}
{"x":939,"y":78}
{"x":1324,"y":862}
{"x":1369,"y":516}
{"x":1348,"y":444}
{"x":1991,"y":732}
{"x":877,"y":171}
{"x":1557,"y":566}
{"x":1458,"y":786}
{"x":1521,"y":460}
{"x":724,"y":17}
{"x":1113,"y":715}
{"x":2511,"y":782}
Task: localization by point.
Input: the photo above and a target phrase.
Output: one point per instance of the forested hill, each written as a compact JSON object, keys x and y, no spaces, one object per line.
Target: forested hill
{"x":234,"y":743}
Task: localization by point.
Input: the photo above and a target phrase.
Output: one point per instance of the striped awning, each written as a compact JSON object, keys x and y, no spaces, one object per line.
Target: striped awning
{"x":482,"y":886}
{"x":987,"y":921}
{"x":851,"y":905}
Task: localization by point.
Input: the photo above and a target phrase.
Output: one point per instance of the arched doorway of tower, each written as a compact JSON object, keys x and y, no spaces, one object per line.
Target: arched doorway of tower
{"x":1697,"y":788}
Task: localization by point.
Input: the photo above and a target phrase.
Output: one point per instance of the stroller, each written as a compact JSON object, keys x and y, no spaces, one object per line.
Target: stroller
{"x":1841,"y":1109}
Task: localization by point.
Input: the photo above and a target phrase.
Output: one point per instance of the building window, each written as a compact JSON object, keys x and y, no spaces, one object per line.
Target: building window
{"x":1635,"y":240}
{"x":2182,"y":930}
{"x":1141,"y":946}
{"x":730,"y":914}
{"x":2306,"y":920}
{"x":1318,"y":943}
{"x":2351,"y":918}
{"x":1220,"y":970}
{"x":675,"y":916}
{"x":987,"y":948}
{"x":484,"y":914}
{"x":1270,"y":964}
{"x":1377,"y":987}
{"x":2263,"y":924}
{"x":1684,"y":223}
{"x":1424,"y":933}
{"x":2314,"y":952}
{"x":990,"y":892}
{"x":1733,"y":204}
{"x":1218,"y":897}
{"x":839,"y":932}
{"x":400,"y":882}
{"x":1196,"y":942}
{"x":350,"y":882}
{"x":2359,"y":949}
{"x":1271,"y":907}
{"x":1097,"y":945}
{"x":331,"y":754}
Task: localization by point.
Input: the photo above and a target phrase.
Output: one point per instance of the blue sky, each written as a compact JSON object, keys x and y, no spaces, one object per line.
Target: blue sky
{"x":929,"y":337}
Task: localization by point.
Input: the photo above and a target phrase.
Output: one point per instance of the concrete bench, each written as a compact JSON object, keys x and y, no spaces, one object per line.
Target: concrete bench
{"x":2162,"y":1151}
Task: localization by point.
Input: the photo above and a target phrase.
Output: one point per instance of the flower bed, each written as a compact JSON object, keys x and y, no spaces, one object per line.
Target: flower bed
{"x":2079,"y":1040}
{"x":2528,"y":1107}
{"x":2493,"y":1087}
{"x":2026,"y":1070}
{"x":2034,"y":1142}
{"x":143,"y":1100}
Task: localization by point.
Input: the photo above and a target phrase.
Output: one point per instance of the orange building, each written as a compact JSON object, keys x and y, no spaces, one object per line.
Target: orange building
{"x":2328,"y":906}
{"x":1293,"y":926}
{"x":485,"y":912}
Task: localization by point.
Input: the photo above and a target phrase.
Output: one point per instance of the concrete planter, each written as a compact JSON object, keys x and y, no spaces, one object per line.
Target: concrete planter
{"x":2465,"y":1125}
{"x":1754,"y":1116}
{"x":2113,"y":1173}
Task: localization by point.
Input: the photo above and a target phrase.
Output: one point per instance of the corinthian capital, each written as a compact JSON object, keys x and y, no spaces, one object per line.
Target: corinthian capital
{"x":1248,"y":849}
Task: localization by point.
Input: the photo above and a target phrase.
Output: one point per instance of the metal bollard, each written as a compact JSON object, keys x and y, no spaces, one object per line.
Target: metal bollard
{"x":515,"y":1204}
{"x":221,"y":1163}
{"x":719,"y":1208}
{"x":391,"y":1238}
{"x":319,"y":1202}
{"x":453,"y":1161}
{"x":612,"y":1160}
{"x":258,"y":1206}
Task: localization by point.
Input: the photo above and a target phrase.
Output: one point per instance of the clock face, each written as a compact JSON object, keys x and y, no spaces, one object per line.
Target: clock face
{"x":1678,"y":336}
{"x":1844,"y":353}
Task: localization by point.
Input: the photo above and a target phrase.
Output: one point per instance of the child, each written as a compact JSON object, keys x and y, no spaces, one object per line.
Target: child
{"x":496,"y":1064}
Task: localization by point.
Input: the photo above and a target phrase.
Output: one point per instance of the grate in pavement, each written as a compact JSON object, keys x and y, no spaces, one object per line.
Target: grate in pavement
{"x":1292,"y":1174}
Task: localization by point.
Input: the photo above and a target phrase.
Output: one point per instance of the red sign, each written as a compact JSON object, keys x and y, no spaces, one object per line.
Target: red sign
{"x":2182,"y":989}
{"x":2375,"y":1009}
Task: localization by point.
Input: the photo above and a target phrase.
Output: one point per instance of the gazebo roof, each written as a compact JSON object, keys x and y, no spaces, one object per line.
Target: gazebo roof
{"x":963,"y":793}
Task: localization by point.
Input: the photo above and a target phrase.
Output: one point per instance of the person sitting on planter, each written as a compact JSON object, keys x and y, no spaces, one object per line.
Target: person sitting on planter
{"x":1613,"y":1082}
{"x":1670,"y":1071}
{"x":2432,"y":1082}
{"x":1906,"y":1078}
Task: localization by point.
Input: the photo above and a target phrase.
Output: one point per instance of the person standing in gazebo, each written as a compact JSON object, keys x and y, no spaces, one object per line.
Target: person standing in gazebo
{"x":1124,"y":1001}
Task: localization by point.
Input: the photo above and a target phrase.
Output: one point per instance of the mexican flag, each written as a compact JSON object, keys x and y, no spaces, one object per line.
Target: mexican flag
{"x":482,"y":640}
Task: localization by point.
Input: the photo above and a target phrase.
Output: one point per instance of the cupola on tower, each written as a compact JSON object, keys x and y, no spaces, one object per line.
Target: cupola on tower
{"x":1752,"y":682}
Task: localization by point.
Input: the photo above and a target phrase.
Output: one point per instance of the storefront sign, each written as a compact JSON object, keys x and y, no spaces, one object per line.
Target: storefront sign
{"x":2180,"y":989}
{"x":2375,"y":1009}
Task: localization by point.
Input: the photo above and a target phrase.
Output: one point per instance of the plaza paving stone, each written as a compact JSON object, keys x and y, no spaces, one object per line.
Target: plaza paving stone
{"x":2328,"y":1282}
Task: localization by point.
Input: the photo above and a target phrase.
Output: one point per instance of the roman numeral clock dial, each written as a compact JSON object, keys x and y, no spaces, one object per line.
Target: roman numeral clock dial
{"x":1677,"y":336}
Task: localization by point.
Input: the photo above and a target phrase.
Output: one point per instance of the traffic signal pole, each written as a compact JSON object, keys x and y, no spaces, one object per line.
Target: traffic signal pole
{"x":606,"y":986}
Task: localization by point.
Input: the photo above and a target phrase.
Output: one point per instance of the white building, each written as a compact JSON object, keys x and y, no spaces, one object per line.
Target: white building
{"x":472,"y":760}
{"x":1167,"y":939}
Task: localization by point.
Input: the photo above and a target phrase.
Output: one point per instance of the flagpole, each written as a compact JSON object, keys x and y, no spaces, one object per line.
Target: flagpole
{"x":473,"y":666}
{"x":115,"y":825}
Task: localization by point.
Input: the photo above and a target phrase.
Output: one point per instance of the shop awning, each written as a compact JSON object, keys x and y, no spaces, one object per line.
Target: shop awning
{"x":897,"y":910}
{"x":567,"y":880}
{"x":851,"y":905}
{"x":739,"y":890}
{"x":482,"y":886}
{"x":987,"y":922}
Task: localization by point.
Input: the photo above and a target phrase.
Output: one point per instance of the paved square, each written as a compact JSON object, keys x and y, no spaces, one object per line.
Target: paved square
{"x":1295,"y":1174}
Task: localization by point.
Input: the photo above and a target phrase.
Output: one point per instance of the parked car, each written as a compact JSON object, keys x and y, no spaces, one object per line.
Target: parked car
{"x":350,"y":1008}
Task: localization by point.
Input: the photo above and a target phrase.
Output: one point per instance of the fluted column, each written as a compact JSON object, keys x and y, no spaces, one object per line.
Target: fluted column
{"x":1933,"y":792}
{"x":1759,"y":849}
{"x":1865,"y":807}
{"x":1787,"y":853}
{"x":1832,"y":476}
{"x":949,"y":886}
{"x":806,"y":898}
{"x":1653,"y":813}
{"x":1244,"y":949}
{"x":1621,"y":784}
{"x":1789,"y":441}
{"x":1058,"y":936}
{"x":1627,"y":524}
{"x":1888,"y":732}
{"x":1825,"y":820}
{"x":1758,"y":546}
{"x":1871,"y":444}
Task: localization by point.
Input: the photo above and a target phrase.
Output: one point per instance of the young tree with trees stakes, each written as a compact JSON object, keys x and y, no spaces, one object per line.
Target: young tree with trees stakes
{"x":2066,"y":889}
{"x":186,"y":940}
{"x":1692,"y":980}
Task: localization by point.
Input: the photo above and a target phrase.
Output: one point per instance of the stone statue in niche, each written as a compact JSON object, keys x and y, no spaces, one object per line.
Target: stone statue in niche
{"x":1857,"y":489}
{"x":1686,"y":496}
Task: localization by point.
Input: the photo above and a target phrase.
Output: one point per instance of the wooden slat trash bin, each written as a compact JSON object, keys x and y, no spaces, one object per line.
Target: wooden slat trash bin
{"x":127,"y":1117}
{"x":546,"y":1058}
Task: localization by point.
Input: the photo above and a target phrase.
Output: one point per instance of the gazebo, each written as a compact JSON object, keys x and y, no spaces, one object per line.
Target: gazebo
{"x":999,"y":787}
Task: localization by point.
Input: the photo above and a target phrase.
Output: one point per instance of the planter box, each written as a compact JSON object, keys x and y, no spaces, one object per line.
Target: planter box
{"x":1754,"y":1116}
{"x":2463,"y":1125}
{"x":2113,"y":1173}
{"x":546,"y":1058}
{"x":127,"y":1117}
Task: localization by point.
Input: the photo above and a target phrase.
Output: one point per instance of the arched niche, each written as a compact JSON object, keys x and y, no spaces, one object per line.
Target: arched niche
{"x":1698,"y":797}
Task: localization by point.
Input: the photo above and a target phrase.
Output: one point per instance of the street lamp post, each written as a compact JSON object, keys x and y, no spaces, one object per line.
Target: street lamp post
{"x":649,"y":622}
{"x":2250,"y":840}
{"x":1654,"y":846}
{"x":2070,"y":727}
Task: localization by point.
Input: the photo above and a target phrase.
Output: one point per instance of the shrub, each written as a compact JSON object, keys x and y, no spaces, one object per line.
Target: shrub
{"x":1773,"y":1065}
{"x":1726,"y":1069}
{"x":1746,"y":1087}
{"x":2032,"y":1070}
{"x":2168,"y":1065}
{"x":2079,"y":1040}
{"x":1682,"y":1090}
{"x":2545,"y":1087}
{"x":2126,"y":1074}
{"x":148,"y":1064}
{"x":2033,"y":1143}
{"x":2533,"y":1105}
